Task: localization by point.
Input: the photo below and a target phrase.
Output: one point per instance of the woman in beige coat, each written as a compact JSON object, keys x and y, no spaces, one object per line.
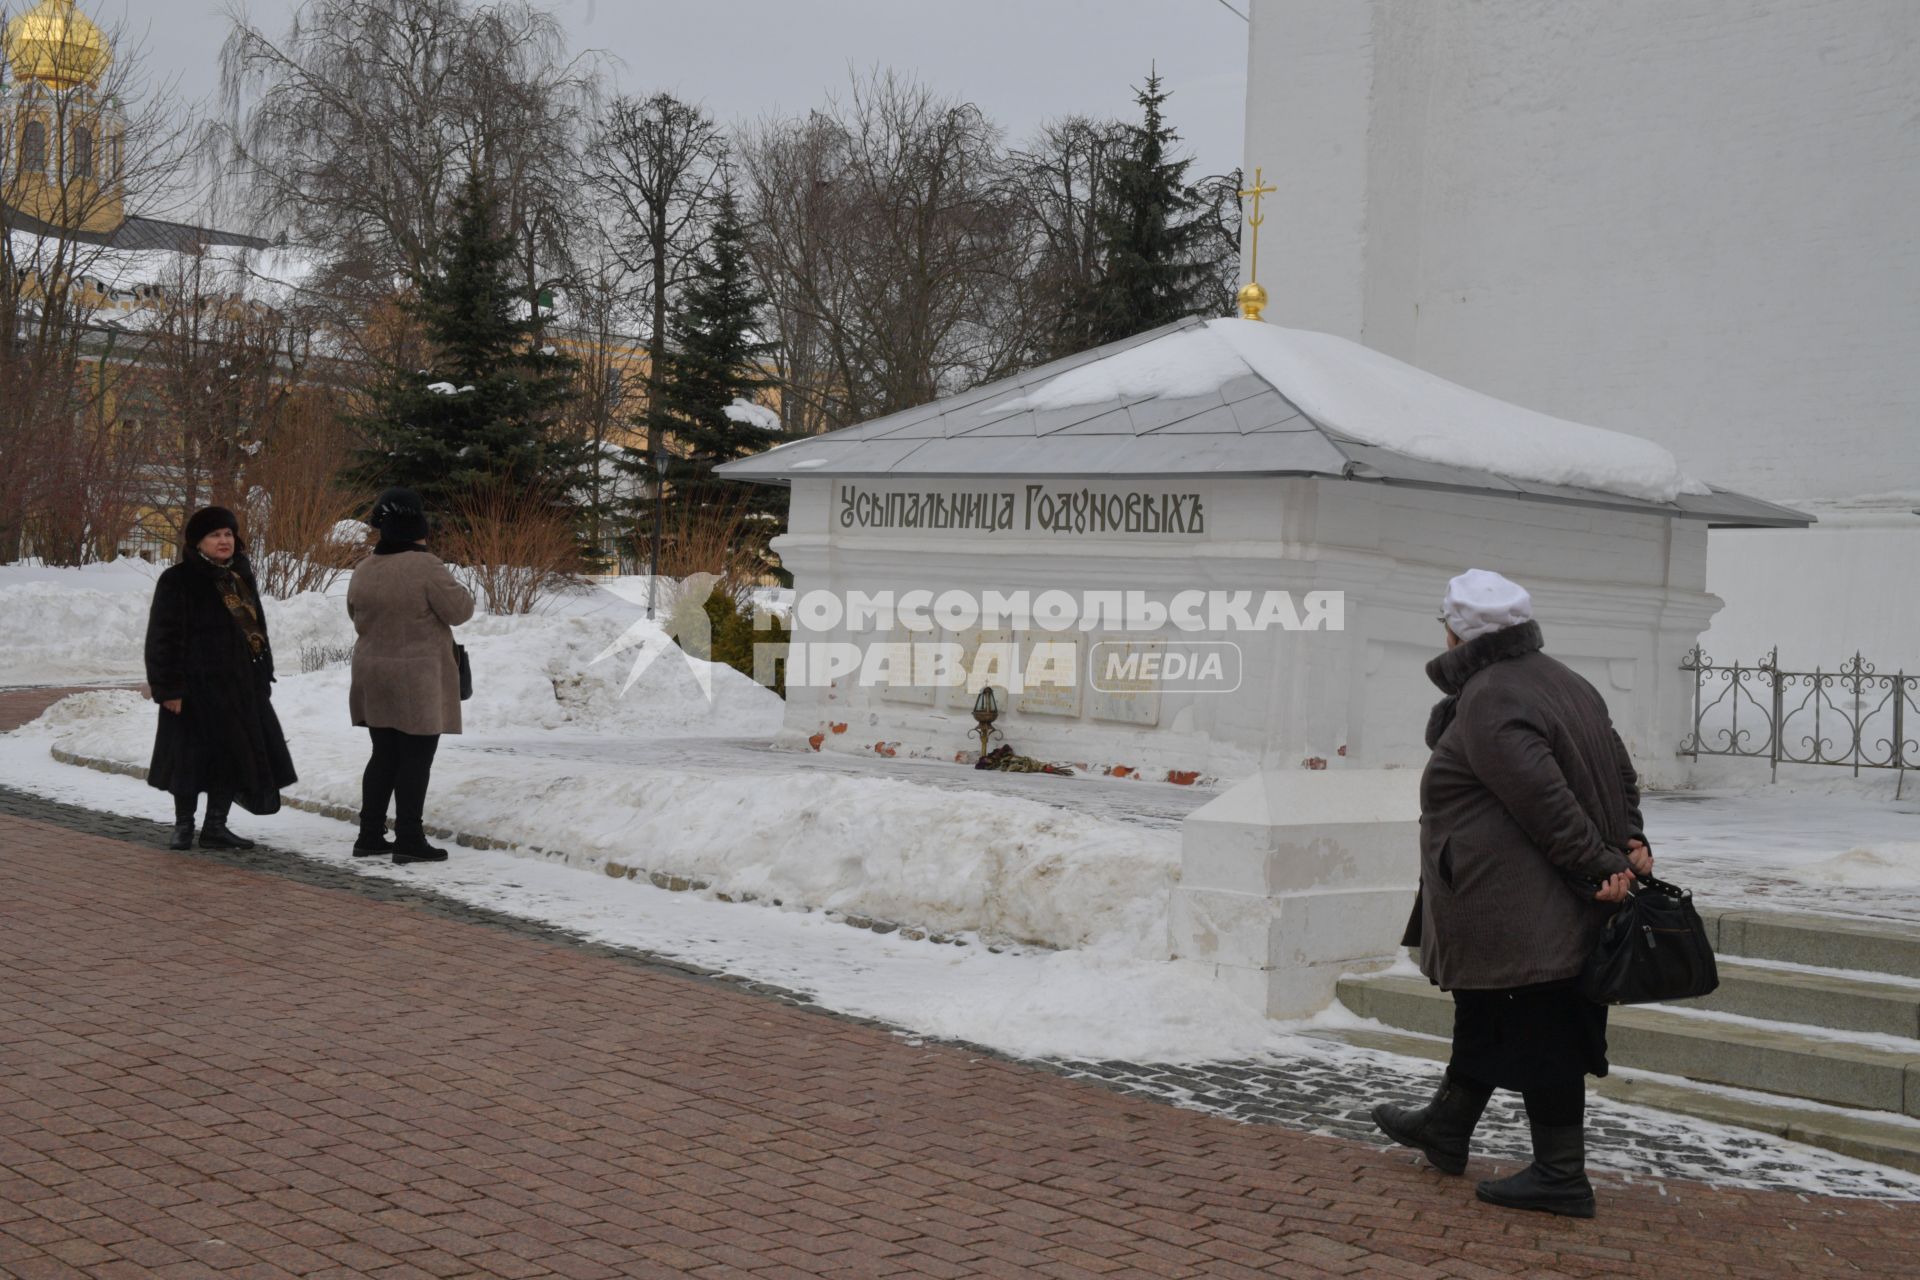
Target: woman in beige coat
{"x":406,"y":681}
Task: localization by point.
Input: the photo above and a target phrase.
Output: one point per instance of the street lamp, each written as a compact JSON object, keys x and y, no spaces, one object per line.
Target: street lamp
{"x":985,"y":711}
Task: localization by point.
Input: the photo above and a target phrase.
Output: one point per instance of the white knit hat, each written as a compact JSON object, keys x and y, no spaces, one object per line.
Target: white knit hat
{"x":1478,"y":602}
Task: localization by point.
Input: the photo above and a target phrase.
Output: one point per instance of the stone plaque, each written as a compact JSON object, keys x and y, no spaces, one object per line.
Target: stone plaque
{"x":1055,"y":662}
{"x":1115,"y":694}
{"x":970,"y":643}
{"x":902,"y":683}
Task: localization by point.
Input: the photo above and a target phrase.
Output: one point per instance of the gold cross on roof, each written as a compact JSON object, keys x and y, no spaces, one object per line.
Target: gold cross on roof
{"x":1252,"y":297}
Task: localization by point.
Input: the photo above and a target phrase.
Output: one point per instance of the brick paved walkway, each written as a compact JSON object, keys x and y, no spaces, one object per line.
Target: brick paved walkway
{"x":207,"y":1070}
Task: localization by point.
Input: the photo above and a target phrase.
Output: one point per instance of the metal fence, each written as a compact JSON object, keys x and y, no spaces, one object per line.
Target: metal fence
{"x":1855,"y":716}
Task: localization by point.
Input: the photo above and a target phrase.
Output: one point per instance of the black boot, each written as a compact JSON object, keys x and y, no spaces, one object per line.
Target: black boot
{"x":214,"y":833}
{"x":372,"y":841}
{"x":410,"y":845}
{"x":1556,"y":1181}
{"x":1442,"y":1129}
{"x":183,"y":822}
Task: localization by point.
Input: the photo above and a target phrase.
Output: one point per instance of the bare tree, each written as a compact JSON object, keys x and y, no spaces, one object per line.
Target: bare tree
{"x":1063,"y":183}
{"x":217,"y":366}
{"x":655,"y":163}
{"x":354,"y":132}
{"x":603,"y":302}
{"x":888,"y":230}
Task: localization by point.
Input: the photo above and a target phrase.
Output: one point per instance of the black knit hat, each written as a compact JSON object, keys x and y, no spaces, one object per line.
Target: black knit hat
{"x":400,"y":516}
{"x":210,"y":520}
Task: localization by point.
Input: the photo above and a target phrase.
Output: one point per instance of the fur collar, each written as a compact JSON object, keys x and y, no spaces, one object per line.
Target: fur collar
{"x":1453,"y":668}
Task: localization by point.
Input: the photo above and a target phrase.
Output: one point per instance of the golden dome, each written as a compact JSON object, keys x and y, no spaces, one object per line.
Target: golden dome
{"x":56,"y":44}
{"x":1252,"y":299}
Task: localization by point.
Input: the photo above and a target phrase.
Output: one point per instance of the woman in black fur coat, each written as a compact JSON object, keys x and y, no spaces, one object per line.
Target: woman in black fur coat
{"x":210,"y":667}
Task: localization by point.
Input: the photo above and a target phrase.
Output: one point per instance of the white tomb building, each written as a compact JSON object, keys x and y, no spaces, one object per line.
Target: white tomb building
{"x":1230,"y":460}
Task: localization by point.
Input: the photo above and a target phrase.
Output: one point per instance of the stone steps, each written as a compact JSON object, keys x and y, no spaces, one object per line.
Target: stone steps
{"x":1829,"y":942}
{"x":1840,"y":1001}
{"x":1843,"y":1033}
{"x":1880,"y":1139}
{"x":1775,"y":1058}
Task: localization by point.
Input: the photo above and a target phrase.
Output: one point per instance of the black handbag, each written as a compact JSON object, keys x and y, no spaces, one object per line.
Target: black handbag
{"x":1653,"y":948}
{"x":466,"y":671}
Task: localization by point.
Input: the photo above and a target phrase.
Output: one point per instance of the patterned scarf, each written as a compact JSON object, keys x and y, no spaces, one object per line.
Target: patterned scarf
{"x":242,"y":604}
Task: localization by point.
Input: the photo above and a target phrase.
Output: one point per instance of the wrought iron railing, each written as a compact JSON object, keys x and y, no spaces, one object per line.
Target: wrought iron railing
{"x":1855,"y":716}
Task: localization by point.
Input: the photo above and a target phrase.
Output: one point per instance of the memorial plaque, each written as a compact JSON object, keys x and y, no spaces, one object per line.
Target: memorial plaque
{"x":1117,"y":688}
{"x":902,"y":683}
{"x":1057,"y":659}
{"x":970,"y":643}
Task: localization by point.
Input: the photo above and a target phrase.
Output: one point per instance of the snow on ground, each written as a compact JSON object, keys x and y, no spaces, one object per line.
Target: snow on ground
{"x":1088,"y":1005}
{"x":1377,"y":400}
{"x":939,"y":858}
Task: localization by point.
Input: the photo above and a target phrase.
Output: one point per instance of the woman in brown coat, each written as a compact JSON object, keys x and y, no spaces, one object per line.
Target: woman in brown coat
{"x":406,"y":681}
{"x":1529,"y":825}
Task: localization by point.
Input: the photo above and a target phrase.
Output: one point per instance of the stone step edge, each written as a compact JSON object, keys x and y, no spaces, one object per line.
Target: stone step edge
{"x":614,"y":870}
{"x":1771,"y":1058}
{"x":1858,"y":1136}
{"x":1654,"y":1019}
{"x":1761,"y":934}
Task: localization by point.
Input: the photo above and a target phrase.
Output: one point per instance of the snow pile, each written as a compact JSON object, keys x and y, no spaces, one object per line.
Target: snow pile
{"x":953,"y":861}
{"x":349,"y":533}
{"x":753,"y":415}
{"x":1880,"y":866}
{"x":52,"y":633}
{"x":1376,"y":400}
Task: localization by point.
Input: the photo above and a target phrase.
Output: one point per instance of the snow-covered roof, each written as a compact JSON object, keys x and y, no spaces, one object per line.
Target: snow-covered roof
{"x":1241,"y":397}
{"x":121,"y":274}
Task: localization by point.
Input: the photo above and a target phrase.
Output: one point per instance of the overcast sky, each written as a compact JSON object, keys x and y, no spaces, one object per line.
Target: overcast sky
{"x":1023,"y":61}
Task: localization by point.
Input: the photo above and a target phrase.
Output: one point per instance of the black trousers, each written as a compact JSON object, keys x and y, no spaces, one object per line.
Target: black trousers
{"x":1540,"y":1041}
{"x":219,"y":805}
{"x":399,"y":771}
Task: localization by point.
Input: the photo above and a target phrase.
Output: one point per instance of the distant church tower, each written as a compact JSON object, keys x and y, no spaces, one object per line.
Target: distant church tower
{"x":65,"y":139}
{"x":63,"y":142}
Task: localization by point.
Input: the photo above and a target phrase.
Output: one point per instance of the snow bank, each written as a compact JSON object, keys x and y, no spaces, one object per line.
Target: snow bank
{"x":945,"y":859}
{"x":1377,"y":400}
{"x":952,"y":861}
{"x":51,"y":633}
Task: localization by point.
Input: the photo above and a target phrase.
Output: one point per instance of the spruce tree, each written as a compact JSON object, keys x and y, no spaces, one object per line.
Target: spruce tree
{"x":484,"y":410}
{"x":716,"y":360}
{"x":1152,"y":233}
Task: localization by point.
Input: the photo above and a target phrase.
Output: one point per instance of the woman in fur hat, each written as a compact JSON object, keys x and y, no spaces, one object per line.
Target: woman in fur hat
{"x":210,"y":667}
{"x":406,"y":680}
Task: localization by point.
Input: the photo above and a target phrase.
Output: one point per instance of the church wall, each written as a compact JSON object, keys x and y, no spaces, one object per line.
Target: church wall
{"x":1687,"y":220}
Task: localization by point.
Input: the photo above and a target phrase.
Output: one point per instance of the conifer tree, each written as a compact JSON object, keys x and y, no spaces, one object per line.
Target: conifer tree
{"x":486,"y":407}
{"x":1152,"y":233}
{"x":716,"y":366}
